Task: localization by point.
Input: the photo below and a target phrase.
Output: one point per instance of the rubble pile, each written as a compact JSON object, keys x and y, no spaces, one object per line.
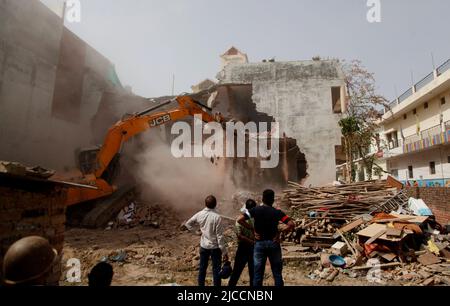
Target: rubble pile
{"x":367,"y":229}
{"x":141,"y":213}
{"x":14,"y":168}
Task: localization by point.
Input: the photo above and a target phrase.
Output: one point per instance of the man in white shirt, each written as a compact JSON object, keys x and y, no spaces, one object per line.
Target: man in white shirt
{"x":212,"y":242}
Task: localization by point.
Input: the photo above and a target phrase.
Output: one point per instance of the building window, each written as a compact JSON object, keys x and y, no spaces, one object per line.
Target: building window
{"x":432,"y":168}
{"x":425,"y":105}
{"x":415,"y":112}
{"x":405,"y":116}
{"x":336,"y":100}
{"x":410,"y":172}
{"x":392,"y":139}
{"x":442,"y":100}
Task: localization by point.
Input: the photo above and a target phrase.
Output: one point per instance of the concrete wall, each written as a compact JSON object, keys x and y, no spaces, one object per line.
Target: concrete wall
{"x":421,"y":166}
{"x":33,"y":70}
{"x":298,"y":95}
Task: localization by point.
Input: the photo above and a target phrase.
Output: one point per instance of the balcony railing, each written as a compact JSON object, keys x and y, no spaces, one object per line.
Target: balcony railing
{"x":436,"y":130}
{"x":405,"y":95}
{"x":425,"y":81}
{"x":392,"y":104}
{"x":428,"y":138}
{"x":419,"y":85}
{"x":412,"y":139}
{"x":444,"y":67}
{"x":393,"y":148}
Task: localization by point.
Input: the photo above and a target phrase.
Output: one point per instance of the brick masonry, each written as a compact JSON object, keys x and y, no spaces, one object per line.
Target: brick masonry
{"x":32,"y":208}
{"x":437,"y":198}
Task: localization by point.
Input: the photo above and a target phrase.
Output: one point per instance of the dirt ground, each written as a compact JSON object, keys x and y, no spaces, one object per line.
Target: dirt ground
{"x":162,"y":256}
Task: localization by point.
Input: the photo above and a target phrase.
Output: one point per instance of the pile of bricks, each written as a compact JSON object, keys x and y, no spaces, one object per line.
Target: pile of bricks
{"x":32,"y":207}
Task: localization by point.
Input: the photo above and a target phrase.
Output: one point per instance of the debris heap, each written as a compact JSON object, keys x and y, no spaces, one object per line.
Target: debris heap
{"x":341,"y":202}
{"x":355,"y":228}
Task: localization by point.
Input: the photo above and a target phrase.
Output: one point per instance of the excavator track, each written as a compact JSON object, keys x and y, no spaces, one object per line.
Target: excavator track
{"x":105,"y":210}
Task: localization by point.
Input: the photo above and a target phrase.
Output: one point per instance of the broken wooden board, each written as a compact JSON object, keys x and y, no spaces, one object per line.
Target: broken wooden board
{"x":429,"y":281}
{"x":387,"y":256}
{"x":316,"y":244}
{"x":295,"y":248}
{"x":445,"y":253}
{"x":376,"y":236}
{"x":414,"y":219}
{"x":393,"y":233}
{"x":347,"y":243}
{"x":301,"y":258}
{"x":438,"y":268}
{"x":428,"y":259}
{"x":398,"y":219}
{"x":382,"y":266}
{"x":375,"y":228}
{"x":349,"y":227}
{"x":332,"y":276}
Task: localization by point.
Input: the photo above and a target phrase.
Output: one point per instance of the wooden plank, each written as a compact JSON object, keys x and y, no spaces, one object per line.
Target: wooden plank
{"x":348,"y":227}
{"x":429,"y":281}
{"x":428,"y":259}
{"x":376,"y":236}
{"x":382,"y":266}
{"x":316,"y":244}
{"x":350,"y":247}
{"x":393,"y":232}
{"x":393,"y":220}
{"x":415,"y":219}
{"x":333,"y":275}
{"x":294,"y":258}
{"x":387,"y":256}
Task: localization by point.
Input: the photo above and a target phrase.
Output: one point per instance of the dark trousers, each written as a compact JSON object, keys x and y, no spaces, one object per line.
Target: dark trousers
{"x":272,"y":250}
{"x":216,"y":257}
{"x":244,"y":255}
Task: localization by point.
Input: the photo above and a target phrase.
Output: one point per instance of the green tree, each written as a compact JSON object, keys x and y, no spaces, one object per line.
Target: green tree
{"x":360,"y":122}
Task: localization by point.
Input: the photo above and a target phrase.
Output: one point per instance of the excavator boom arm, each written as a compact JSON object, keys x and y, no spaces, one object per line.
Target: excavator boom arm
{"x":126,"y":129}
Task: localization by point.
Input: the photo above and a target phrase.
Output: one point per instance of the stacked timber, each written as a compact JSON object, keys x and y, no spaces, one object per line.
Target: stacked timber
{"x":341,"y":202}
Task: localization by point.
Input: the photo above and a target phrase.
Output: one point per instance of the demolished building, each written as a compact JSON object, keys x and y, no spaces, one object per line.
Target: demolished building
{"x":307,"y":99}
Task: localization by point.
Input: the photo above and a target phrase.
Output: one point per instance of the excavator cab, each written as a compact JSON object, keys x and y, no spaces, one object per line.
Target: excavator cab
{"x":87,"y":163}
{"x":87,"y":159}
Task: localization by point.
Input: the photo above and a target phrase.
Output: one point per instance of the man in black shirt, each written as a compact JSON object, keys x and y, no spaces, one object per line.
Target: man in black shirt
{"x":267,"y":237}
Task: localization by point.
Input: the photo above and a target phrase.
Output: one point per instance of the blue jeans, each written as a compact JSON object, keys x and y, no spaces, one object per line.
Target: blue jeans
{"x":272,"y":250}
{"x":216,"y":257}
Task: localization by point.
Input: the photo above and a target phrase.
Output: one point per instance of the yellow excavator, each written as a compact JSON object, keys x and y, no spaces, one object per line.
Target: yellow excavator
{"x":99,"y":166}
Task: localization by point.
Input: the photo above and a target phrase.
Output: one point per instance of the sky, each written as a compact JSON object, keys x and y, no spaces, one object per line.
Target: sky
{"x":149,"y":41}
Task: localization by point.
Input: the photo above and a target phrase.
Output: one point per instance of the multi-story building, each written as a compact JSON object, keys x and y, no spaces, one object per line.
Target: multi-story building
{"x":415,"y":131}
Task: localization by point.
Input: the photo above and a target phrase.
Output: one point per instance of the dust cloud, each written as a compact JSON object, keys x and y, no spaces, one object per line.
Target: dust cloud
{"x":182,"y":183}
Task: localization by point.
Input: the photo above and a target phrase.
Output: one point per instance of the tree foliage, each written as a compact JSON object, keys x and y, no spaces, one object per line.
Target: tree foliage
{"x":360,"y":122}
